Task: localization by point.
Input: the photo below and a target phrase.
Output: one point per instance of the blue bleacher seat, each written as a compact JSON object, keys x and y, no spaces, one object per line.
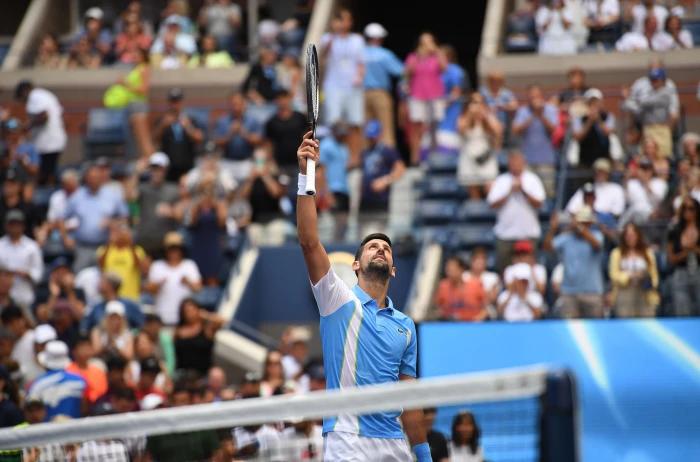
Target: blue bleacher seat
{"x":443,"y":186}
{"x":106,"y":126}
{"x":42,"y":195}
{"x":436,"y":211}
{"x":692,"y":25}
{"x":476,"y":212}
{"x":441,"y":163}
{"x":467,"y":237}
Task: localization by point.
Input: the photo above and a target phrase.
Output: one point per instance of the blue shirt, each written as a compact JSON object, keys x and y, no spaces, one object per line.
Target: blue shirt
{"x":380,"y":65}
{"x":334,"y":157}
{"x":92,"y":210}
{"x":536,"y":143}
{"x":61,"y":392}
{"x":583,"y":270}
{"x":453,"y":76}
{"x":377,"y":161}
{"x":134,"y":315}
{"x":237,"y":148}
{"x":502,"y":98}
{"x":363,"y":345}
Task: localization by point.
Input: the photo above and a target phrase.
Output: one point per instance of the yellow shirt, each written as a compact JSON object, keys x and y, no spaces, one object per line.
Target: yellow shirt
{"x":120,"y":260}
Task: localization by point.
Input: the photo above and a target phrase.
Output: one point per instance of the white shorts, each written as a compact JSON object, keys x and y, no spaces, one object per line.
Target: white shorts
{"x":349,"y":447}
{"x":426,"y":110}
{"x":344,"y":105}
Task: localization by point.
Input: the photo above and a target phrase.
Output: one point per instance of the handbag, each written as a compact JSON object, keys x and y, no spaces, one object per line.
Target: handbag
{"x":117,"y":96}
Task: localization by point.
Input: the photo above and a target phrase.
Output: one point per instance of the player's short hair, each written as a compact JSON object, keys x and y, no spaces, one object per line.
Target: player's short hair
{"x":368,"y":238}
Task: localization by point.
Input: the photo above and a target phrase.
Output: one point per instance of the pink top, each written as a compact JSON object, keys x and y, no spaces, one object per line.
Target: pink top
{"x":426,"y":80}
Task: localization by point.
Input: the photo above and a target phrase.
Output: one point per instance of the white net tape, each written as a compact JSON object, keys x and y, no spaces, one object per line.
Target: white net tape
{"x":507,"y":384}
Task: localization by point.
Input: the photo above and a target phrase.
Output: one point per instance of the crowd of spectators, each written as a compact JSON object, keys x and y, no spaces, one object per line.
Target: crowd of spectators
{"x":569,"y":26}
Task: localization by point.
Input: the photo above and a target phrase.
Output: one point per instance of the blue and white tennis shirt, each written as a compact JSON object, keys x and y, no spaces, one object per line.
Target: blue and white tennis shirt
{"x":363,"y":345}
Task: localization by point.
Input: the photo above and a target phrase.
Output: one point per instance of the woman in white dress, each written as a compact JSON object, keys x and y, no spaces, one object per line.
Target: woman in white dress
{"x":554,"y":26}
{"x":481,"y":134}
{"x":464,"y":446}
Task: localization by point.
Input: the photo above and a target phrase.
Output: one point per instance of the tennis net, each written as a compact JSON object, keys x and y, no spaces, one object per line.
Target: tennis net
{"x":524,"y":414}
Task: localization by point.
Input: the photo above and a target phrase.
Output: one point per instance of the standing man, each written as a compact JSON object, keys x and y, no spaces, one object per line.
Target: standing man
{"x":46,"y":124}
{"x":381,"y":64}
{"x":365,"y":339}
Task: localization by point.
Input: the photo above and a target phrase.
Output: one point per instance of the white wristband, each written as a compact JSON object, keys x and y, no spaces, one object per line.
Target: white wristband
{"x":301,"y":185}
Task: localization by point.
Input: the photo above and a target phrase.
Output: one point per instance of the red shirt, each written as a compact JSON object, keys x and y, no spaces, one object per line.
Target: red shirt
{"x":464,"y":301}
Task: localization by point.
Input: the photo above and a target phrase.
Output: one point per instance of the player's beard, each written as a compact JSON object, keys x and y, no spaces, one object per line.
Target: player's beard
{"x":377,"y":270}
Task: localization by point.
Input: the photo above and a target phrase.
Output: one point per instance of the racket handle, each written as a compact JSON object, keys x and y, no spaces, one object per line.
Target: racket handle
{"x":310,"y":177}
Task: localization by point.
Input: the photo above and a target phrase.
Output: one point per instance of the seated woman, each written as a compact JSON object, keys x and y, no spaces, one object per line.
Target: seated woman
{"x":194,"y":337}
{"x":112,"y":336}
{"x":554,"y":27}
{"x":464,"y":446}
{"x":211,"y":57}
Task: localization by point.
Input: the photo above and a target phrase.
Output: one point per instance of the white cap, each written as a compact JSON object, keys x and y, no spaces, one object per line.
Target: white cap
{"x":55,"y":356}
{"x":521,"y":271}
{"x":151,"y":401}
{"x":44,"y":333}
{"x":159,"y":159}
{"x":94,"y":13}
{"x":115,"y":307}
{"x":299,"y":334}
{"x":593,"y":93}
{"x":375,"y":30}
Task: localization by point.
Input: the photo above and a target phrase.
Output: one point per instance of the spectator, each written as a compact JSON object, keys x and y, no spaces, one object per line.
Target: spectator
{"x":334,"y":158}
{"x":426,"y":105}
{"x":682,"y":38}
{"x":238,"y":133}
{"x":571,"y":98}
{"x":58,"y":204}
{"x":645,"y":191}
{"x":116,"y":381}
{"x":534,"y":123}
{"x":456,"y":84}
{"x":634,"y":277}
{"x":91,"y":369}
{"x":646,"y":9}
{"x":686,"y":8}
{"x":216,"y":384}
{"x":108,"y":286}
{"x":149,"y":370}
{"x":180,"y":11}
{"x":6,"y":281}
{"x":524,"y":252}
{"x":261,"y":81}
{"x":554,"y":27}
{"x":20,"y":156}
{"x":61,"y":391}
{"x":179,"y":136}
{"x":603,"y":22}
{"x":580,"y":250}
{"x":516,"y":195}
{"x":464,"y":446}
{"x":436,"y":440}
{"x":381,"y":65}
{"x":273,"y":377}
{"x":97,"y":210}
{"x":521,"y":33}
{"x":208,"y":169}
{"x":112,"y":335}
{"x":303,"y":441}
{"x":172,"y":279}
{"x":12,"y":199}
{"x":284,"y":130}
{"x":343,"y":54}
{"x":499,"y":99}
{"x":134,"y":8}
{"x":481,"y":135}
{"x":32,"y":368}
{"x":520,"y":302}
{"x":593,"y":130}
{"x":131,"y":42}
{"x":683,"y":250}
{"x":83,"y":57}
{"x":144,"y":350}
{"x":10,"y":413}
{"x":48,"y":55}
{"x":660,"y":164}
{"x":258,"y":441}
{"x":609,"y":196}
{"x":690,"y":145}
{"x":65,"y":322}
{"x":168,"y":56}
{"x":22,"y":256}
{"x":458,"y":298}
{"x":121,"y":256}
{"x":290,"y":77}
{"x":15,"y":321}
{"x":45,"y":123}
{"x":489,"y":280}
{"x":293,"y":362}
{"x":156,"y":201}
{"x":206,"y":220}
{"x":194,"y":337}
{"x":62,"y":289}
{"x":93,"y":38}
{"x":174,"y":39}
{"x":221,"y":19}
{"x":381,"y":167}
{"x":211,"y":56}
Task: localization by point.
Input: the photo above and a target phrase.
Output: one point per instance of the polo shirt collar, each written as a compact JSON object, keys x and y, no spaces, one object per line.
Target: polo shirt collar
{"x":365,"y":299}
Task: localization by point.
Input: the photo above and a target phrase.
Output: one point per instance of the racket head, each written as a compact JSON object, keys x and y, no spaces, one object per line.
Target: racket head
{"x":312,"y":86}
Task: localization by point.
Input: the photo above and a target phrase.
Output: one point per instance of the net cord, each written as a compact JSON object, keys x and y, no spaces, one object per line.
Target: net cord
{"x":506,"y":384}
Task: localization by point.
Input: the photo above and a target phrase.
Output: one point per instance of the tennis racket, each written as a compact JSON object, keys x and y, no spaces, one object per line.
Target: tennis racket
{"x":312,"y":111}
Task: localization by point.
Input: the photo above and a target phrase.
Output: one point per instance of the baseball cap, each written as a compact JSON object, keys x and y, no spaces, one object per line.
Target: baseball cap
{"x":523,"y":246}
{"x":588,"y":188}
{"x":373,"y":128}
{"x":175,"y":94}
{"x":173,"y":239}
{"x":299,"y":334}
{"x":14,"y":215}
{"x":44,"y":333}
{"x":115,"y":307}
{"x":521,"y":271}
{"x":159,"y":159}
{"x":375,"y":30}
{"x":150,"y":364}
{"x":94,"y":13}
{"x":602,"y":164}
{"x":657,"y":73}
{"x":592,"y":93}
{"x":585,"y":215}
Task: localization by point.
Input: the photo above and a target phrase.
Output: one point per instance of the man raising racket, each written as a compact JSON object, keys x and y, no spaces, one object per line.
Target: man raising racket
{"x":365,"y":339}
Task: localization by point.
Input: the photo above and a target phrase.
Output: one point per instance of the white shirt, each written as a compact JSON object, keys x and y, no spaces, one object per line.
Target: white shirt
{"x":58,"y":204}
{"x":290,"y":366}
{"x":50,"y":137}
{"x":173,"y":291}
{"x":23,"y":255}
{"x":516,"y":218}
{"x":517,"y":309}
{"x":88,"y":279}
{"x":23,"y":352}
{"x":268,"y":439}
{"x":538,"y":276}
{"x":345,"y":55}
{"x":608,"y":9}
{"x":296,"y":446}
{"x":642,"y":201}
{"x":632,"y":41}
{"x":661,"y":41}
{"x":639,"y":13}
{"x":463,"y":454}
{"x":609,"y":198}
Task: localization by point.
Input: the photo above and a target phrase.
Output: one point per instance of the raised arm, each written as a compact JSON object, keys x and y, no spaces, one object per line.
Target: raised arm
{"x":317,"y":263}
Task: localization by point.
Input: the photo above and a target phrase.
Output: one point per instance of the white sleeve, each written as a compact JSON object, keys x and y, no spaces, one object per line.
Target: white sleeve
{"x":192,"y":271}
{"x":619,"y":200}
{"x":37,"y":265}
{"x":533,"y":186}
{"x":508,"y":275}
{"x":535,"y":299}
{"x":575,"y":202}
{"x":502,"y":297}
{"x":155,"y":274}
{"x":36,"y":103}
{"x":499,"y":189}
{"x":331,"y":293}
{"x":541,"y":274}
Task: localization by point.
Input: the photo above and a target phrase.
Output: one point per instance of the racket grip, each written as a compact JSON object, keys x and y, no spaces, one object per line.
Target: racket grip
{"x":310,"y":177}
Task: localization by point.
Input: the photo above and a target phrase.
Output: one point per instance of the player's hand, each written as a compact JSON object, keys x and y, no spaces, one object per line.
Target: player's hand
{"x":308,"y":149}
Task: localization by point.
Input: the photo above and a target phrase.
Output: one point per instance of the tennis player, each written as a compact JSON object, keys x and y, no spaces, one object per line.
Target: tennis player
{"x":365,"y":339}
